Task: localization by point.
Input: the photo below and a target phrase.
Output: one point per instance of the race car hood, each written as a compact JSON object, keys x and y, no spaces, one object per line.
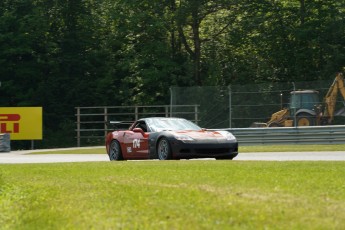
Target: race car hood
{"x":205,"y":134}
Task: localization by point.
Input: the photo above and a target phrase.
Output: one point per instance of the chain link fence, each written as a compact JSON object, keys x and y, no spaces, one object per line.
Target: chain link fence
{"x":239,"y":106}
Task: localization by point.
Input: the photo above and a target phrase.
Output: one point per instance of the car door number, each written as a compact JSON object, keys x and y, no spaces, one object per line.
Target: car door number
{"x":136,"y":143}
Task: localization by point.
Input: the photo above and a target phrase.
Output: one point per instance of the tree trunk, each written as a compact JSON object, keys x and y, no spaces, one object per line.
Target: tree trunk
{"x":302,"y":11}
{"x":197,"y":49}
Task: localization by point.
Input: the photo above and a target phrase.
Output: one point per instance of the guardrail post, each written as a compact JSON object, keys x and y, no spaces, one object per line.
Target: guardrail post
{"x":230,"y":118}
{"x":171,"y":102}
{"x":136,"y":113}
{"x":166,"y":111}
{"x":78,"y":126}
{"x":105,"y":121}
{"x":196,"y":114}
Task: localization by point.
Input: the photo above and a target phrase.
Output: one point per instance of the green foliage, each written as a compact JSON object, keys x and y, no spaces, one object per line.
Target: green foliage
{"x":61,"y":54}
{"x":163,"y":195}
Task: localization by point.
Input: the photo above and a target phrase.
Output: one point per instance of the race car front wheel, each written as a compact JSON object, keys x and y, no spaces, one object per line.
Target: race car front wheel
{"x":164,"y":150}
{"x":115,"y":153}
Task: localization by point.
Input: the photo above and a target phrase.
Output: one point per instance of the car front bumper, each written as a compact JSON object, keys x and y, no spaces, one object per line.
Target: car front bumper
{"x":189,"y":150}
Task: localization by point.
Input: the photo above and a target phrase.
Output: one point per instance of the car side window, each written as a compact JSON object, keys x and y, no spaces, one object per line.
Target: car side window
{"x":142,"y":125}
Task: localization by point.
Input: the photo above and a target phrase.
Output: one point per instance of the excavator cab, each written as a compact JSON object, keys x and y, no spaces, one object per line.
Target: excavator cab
{"x":303,"y":104}
{"x":303,"y":99}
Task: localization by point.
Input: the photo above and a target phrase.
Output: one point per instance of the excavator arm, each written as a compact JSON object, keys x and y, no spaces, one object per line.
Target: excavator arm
{"x":278,"y":118}
{"x":331,"y":98}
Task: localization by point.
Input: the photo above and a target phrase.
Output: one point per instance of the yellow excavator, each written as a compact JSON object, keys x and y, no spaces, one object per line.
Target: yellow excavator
{"x":305,"y":110}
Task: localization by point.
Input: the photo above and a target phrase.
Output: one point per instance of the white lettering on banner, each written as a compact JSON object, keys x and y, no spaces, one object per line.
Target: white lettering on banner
{"x":136,"y":143}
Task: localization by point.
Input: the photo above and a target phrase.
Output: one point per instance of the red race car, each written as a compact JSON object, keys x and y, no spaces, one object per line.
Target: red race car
{"x":169,"y":138}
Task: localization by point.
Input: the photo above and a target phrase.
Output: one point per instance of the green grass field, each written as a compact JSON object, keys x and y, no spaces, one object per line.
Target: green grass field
{"x":173,"y":195}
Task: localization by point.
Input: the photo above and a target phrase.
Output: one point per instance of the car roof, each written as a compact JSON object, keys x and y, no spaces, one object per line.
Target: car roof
{"x":161,"y":118}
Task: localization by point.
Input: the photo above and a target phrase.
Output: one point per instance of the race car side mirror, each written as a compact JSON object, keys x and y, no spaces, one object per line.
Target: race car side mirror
{"x":138,"y":130}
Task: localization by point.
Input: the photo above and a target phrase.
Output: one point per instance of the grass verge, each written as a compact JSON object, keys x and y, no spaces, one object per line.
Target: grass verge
{"x":173,"y":195}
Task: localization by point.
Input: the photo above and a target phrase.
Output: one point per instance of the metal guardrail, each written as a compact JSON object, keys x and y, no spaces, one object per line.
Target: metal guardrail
{"x":290,"y":135}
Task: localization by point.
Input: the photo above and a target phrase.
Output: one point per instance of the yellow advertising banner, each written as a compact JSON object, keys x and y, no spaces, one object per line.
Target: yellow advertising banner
{"x":23,"y":123}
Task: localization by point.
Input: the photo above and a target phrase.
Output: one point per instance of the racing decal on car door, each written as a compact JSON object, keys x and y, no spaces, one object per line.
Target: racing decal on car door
{"x":136,"y":143}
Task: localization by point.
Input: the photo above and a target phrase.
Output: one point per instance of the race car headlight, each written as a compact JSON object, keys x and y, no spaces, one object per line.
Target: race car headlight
{"x":184,"y":137}
{"x":228,"y":136}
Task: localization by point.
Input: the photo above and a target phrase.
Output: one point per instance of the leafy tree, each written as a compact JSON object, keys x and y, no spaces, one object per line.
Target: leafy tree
{"x":192,"y":21}
{"x":61,"y":54}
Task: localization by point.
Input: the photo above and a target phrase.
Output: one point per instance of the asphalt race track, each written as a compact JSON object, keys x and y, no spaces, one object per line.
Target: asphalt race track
{"x":20,"y":157}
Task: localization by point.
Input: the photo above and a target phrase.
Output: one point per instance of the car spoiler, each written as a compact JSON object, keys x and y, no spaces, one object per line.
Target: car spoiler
{"x":115,"y":125}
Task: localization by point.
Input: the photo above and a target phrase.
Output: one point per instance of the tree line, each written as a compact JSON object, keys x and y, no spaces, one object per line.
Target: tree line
{"x":60,"y":54}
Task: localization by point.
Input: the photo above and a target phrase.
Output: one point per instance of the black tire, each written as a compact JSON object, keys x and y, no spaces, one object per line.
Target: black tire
{"x":225,"y":158}
{"x":305,"y":119}
{"x":115,"y":153}
{"x":164,"y":149}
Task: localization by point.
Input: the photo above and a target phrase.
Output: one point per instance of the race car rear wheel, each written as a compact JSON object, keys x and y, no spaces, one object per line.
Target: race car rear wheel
{"x":115,"y":152}
{"x":164,"y":150}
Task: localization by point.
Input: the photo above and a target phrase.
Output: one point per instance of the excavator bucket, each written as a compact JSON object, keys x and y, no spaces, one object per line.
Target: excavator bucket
{"x":258,"y":125}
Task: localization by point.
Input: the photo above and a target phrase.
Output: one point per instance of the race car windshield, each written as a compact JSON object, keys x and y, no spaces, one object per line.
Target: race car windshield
{"x":157,"y":125}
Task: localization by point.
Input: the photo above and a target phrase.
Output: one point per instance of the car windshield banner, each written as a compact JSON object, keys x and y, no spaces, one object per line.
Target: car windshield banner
{"x":22,"y":123}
